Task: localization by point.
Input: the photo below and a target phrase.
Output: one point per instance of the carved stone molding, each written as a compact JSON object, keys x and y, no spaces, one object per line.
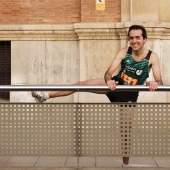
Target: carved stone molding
{"x":155,"y":30}
{"x":81,"y":31}
{"x":166,"y":33}
{"x":37,"y":32}
{"x":96,"y":31}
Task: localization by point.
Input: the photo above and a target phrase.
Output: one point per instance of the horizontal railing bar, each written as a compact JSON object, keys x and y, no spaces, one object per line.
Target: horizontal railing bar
{"x":79,"y":88}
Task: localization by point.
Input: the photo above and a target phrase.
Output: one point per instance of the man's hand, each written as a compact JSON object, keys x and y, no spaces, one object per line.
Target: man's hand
{"x":152,"y":85}
{"x":112,"y":84}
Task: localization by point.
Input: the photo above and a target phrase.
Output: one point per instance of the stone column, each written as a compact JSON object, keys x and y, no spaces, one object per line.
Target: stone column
{"x":166,"y":58}
{"x":98,"y":44}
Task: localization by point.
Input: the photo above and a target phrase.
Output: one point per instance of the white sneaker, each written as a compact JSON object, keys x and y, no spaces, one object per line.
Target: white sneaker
{"x":125,"y":165}
{"x":39,"y":96}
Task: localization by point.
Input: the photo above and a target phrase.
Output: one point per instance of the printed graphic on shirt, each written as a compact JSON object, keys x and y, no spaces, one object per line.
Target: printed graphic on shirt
{"x":139,"y":72}
{"x":128,"y":79}
{"x":133,"y":70}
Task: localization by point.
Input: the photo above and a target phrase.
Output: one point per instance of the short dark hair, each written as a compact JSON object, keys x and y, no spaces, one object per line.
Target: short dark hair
{"x":138,"y":27}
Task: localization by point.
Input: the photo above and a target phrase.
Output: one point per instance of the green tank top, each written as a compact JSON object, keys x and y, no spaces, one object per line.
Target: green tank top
{"x":133,"y":72}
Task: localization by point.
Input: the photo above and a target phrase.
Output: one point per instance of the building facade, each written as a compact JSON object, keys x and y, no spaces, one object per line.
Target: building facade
{"x":62,"y":42}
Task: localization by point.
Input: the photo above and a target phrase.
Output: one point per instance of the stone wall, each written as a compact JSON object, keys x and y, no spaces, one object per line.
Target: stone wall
{"x":65,"y":54}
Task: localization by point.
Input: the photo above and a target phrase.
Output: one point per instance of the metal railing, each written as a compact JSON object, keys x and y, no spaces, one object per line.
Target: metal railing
{"x":79,"y":129}
{"x":79,"y":87}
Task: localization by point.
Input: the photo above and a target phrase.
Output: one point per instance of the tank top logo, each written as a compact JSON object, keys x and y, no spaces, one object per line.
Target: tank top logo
{"x":139,"y":72}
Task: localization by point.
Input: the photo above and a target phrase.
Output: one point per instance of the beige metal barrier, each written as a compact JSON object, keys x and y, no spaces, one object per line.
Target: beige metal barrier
{"x":79,"y":129}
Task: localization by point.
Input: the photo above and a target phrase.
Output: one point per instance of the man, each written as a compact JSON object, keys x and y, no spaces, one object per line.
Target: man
{"x":136,"y":62}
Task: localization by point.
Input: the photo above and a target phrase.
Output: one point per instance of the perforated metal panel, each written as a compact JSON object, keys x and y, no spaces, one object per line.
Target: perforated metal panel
{"x":38,"y":129}
{"x":151,"y":130}
{"x":99,"y":129}
{"x":85,"y":129}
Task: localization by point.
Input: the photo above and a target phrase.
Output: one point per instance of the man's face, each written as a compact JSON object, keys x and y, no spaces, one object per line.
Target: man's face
{"x":136,"y":39}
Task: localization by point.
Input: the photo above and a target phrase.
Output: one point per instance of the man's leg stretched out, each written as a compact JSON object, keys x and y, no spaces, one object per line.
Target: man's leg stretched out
{"x":43,"y":96}
{"x":119,"y":97}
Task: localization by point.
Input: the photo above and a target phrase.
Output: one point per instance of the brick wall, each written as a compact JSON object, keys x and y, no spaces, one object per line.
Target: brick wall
{"x":57,"y":11}
{"x":39,"y":11}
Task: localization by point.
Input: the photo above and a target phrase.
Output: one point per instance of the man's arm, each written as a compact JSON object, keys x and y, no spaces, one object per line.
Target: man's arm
{"x":114,"y":65}
{"x":154,"y":61}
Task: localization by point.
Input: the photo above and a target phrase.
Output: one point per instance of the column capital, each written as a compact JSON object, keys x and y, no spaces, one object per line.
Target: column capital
{"x":96,"y":31}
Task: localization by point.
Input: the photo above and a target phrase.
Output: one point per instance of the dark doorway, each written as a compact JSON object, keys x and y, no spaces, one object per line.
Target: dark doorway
{"x":5,"y":67}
